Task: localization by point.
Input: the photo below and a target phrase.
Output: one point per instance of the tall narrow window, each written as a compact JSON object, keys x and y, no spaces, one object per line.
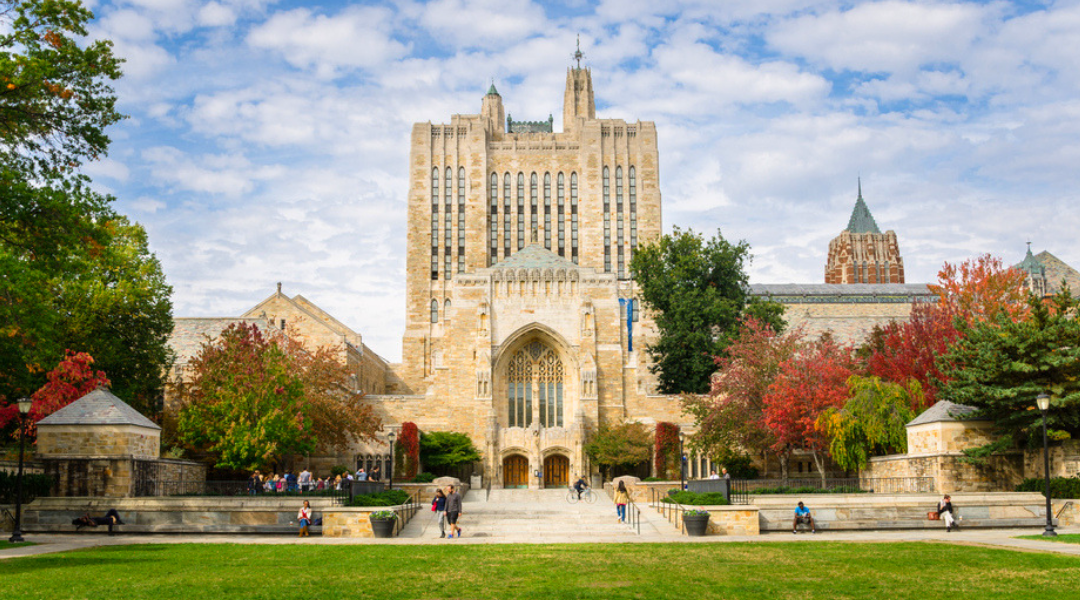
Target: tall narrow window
{"x":448,"y":235}
{"x":533,"y":216}
{"x":633,"y":211}
{"x":536,"y":365}
{"x":493,"y":215}
{"x":519,"y":390}
{"x":460,"y":219}
{"x":560,"y":192}
{"x":521,"y":211}
{"x":888,"y":273}
{"x":607,"y":220}
{"x":507,"y":219}
{"x":434,"y":311}
{"x":547,"y":210}
{"x":573,"y":219}
{"x":619,"y":221}
{"x":435,"y":223}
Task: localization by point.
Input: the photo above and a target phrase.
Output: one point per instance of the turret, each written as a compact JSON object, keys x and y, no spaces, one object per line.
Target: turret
{"x":492,"y":110}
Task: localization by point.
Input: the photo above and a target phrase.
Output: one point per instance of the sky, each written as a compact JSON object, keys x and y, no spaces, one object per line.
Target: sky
{"x":268,"y":141}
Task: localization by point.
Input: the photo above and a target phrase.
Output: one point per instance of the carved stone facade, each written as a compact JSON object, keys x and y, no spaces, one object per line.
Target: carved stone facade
{"x":522,"y":321}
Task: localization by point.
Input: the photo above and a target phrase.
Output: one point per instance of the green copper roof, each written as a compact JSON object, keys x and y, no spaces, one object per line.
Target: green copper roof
{"x":1031,"y":265}
{"x":535,"y":256}
{"x":492,"y":91}
{"x":861,"y":220}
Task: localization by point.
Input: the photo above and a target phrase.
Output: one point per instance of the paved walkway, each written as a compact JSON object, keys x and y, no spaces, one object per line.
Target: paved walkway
{"x":545,"y":517}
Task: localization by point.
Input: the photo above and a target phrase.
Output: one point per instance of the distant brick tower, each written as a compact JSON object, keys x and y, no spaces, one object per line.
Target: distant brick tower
{"x":861,"y":253}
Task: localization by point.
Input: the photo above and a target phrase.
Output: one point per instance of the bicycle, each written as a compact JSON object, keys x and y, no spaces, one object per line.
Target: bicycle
{"x":587,"y":496}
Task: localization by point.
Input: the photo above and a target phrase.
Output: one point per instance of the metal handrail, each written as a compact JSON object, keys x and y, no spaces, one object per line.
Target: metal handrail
{"x":1063,"y":507}
{"x":635,"y":517}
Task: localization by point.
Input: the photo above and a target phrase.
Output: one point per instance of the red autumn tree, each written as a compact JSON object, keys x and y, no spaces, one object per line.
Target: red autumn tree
{"x":72,"y":379}
{"x":730,"y":419}
{"x":910,"y":350}
{"x":408,"y":445}
{"x":812,"y":381}
{"x":666,"y":454}
{"x":979,"y":288}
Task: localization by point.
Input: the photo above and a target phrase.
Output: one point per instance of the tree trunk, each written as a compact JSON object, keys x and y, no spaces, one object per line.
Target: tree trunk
{"x":783,"y":456}
{"x":819,"y":462}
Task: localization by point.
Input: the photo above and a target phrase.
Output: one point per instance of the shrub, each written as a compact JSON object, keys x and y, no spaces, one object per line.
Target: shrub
{"x":654,"y":479}
{"x":339,"y":470}
{"x":423,"y":478}
{"x":383,"y":514}
{"x":388,"y":498}
{"x":34,"y":485}
{"x":701,"y":499}
{"x":666,"y":452}
{"x":444,"y":451}
{"x":1060,"y":487}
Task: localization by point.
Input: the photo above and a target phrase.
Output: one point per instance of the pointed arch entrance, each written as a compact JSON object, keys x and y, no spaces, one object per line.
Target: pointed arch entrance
{"x":556,"y":471}
{"x":515,"y":471}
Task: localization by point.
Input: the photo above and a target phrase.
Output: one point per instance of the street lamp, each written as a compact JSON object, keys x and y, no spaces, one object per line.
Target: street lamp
{"x":682,"y":462}
{"x":390,"y":474}
{"x":16,"y":532}
{"x":1043,"y":401}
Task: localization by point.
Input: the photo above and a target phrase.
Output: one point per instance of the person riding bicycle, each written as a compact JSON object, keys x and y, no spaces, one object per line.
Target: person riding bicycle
{"x":580,"y":486}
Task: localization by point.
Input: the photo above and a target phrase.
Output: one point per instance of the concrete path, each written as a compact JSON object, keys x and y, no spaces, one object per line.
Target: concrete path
{"x":545,"y":517}
{"x":540,"y":517}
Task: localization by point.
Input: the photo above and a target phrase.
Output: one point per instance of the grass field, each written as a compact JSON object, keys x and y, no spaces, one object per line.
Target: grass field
{"x":683,"y":571}
{"x":1068,"y":538}
{"x":4,"y":544}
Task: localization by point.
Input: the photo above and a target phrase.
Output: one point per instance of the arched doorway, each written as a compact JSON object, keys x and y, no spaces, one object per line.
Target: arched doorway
{"x":515,"y":471}
{"x":556,"y":471}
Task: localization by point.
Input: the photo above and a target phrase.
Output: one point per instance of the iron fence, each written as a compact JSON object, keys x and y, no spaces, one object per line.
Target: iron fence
{"x":743,"y":489}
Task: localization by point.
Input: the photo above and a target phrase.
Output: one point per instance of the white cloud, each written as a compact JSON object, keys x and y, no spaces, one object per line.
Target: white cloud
{"x":354,"y":38}
{"x":216,"y":15}
{"x":482,"y":23}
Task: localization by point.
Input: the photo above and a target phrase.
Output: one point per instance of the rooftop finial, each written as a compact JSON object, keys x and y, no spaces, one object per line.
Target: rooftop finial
{"x":860,"y":186}
{"x":578,"y":54}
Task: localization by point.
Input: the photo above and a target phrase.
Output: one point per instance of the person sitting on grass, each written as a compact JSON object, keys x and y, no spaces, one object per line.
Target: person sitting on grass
{"x":802,"y":515}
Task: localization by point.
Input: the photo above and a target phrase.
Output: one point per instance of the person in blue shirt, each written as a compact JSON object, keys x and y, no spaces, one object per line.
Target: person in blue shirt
{"x":802,"y":515}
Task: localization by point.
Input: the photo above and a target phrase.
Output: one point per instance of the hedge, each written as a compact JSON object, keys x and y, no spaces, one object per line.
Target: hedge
{"x":34,"y":485}
{"x":1060,"y":487}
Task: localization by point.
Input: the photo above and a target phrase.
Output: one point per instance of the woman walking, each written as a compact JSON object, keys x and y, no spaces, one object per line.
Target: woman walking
{"x":438,"y":504}
{"x":622,"y":498}
{"x":304,"y":518}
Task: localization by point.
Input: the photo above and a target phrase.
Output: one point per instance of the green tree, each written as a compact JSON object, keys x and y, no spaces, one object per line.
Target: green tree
{"x":244,"y":405}
{"x":871,"y":422}
{"x":1000,"y":365}
{"x":619,"y":445}
{"x":56,"y":98}
{"x":442,"y":451}
{"x":697,"y":291}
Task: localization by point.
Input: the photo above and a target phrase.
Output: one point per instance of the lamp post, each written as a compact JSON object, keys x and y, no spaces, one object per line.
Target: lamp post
{"x":390,"y":475}
{"x":1043,"y":401}
{"x":682,"y":462}
{"x":16,"y":532}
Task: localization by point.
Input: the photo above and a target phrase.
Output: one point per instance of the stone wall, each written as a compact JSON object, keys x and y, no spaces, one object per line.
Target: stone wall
{"x":1064,"y":460}
{"x":115,"y":477}
{"x":98,"y":440}
{"x":1001,"y":473}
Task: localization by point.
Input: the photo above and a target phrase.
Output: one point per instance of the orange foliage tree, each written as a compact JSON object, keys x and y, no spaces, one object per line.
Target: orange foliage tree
{"x":978,"y":288}
{"x":72,"y":379}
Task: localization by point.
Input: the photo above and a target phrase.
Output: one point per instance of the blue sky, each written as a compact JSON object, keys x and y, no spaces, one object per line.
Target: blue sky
{"x":268,"y":141}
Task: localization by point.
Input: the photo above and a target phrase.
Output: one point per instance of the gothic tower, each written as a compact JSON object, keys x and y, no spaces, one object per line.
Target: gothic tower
{"x":861,"y":253}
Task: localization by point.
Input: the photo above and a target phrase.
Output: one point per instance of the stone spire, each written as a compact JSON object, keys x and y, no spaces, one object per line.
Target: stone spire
{"x":578,"y":101}
{"x":861,"y":220}
{"x":1035,"y":273}
{"x":492,"y":110}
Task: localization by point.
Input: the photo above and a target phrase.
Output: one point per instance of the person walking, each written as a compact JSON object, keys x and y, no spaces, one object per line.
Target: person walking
{"x":622,"y":498}
{"x":304,"y":519}
{"x":453,"y":511}
{"x":438,"y":504}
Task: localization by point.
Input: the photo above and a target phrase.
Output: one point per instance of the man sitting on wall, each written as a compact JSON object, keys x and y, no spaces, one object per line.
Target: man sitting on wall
{"x":802,"y":515}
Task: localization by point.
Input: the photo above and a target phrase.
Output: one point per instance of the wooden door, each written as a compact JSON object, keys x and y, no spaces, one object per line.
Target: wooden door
{"x":516,"y":471}
{"x":556,"y":471}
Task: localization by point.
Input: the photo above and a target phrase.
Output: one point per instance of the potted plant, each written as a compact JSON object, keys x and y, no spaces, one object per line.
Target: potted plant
{"x":382,"y":523}
{"x":696,"y":521}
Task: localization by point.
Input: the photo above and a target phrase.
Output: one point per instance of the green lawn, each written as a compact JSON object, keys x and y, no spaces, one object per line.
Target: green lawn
{"x":4,"y":544}
{"x":1068,"y":538}
{"x":678,"y":571}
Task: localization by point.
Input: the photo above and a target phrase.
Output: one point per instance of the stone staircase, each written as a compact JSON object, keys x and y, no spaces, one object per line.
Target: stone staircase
{"x":538,"y":516}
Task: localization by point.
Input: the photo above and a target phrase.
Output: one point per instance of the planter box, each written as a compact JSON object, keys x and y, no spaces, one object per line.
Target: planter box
{"x":383,"y":528}
{"x":696,"y":525}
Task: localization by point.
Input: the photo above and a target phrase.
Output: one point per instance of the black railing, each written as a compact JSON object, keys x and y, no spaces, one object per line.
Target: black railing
{"x":234,"y":489}
{"x":743,"y":489}
{"x":667,"y":506}
{"x":633,"y":515}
